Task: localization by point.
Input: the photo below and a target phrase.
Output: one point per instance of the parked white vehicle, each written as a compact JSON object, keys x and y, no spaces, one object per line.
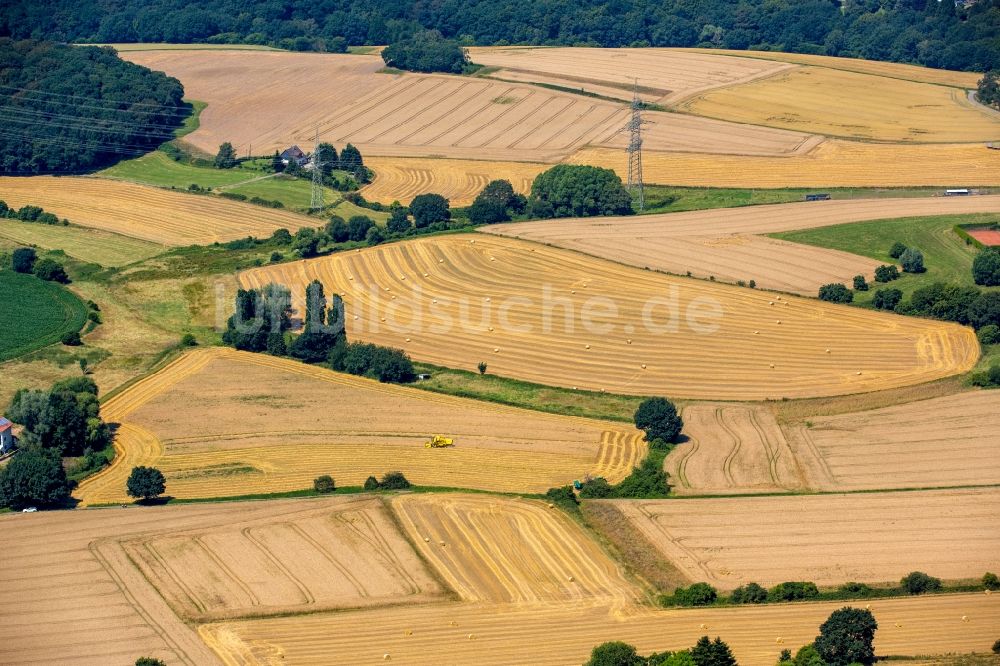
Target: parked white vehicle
{"x":30,"y":509}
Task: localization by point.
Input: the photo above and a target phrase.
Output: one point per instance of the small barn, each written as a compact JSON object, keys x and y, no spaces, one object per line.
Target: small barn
{"x":7,"y":440}
{"x":295,"y":154}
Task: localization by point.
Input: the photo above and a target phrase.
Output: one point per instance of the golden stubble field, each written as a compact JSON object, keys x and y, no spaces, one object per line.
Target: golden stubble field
{"x":834,"y":163}
{"x":827,"y":539}
{"x":563,"y":634}
{"x":268,"y":425}
{"x":148,"y":213}
{"x":942,"y":442}
{"x":664,"y":76}
{"x":561,"y":318}
{"x":867,"y":107}
{"x":730,"y":244}
{"x":85,"y":586}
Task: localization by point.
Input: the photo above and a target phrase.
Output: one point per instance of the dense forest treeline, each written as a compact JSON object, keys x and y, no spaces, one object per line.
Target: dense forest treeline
{"x":69,"y":109}
{"x":929,"y":32}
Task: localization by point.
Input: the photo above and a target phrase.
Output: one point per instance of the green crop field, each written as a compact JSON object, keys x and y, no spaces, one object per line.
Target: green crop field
{"x":947,"y":257}
{"x":89,"y":245}
{"x":36,"y":313}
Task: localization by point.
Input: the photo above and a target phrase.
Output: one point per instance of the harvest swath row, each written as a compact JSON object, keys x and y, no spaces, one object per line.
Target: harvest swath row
{"x":439,"y":298}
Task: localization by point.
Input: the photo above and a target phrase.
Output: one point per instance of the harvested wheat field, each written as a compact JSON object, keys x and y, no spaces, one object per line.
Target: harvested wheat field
{"x":892,"y":70}
{"x":564,"y":634}
{"x":827,"y":539}
{"x":729,"y":243}
{"x":76,"y":593}
{"x":869,"y":107}
{"x":498,"y":550}
{"x":268,"y":425}
{"x":249,"y":93}
{"x":147,"y":213}
{"x":343,"y":555}
{"x":459,"y":181}
{"x":834,"y":163}
{"x":948,"y":441}
{"x":561,"y":318}
{"x":664,"y":75}
{"x":732,"y":449}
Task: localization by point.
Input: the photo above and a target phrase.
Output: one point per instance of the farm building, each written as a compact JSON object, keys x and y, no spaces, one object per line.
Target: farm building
{"x":294,"y":153}
{"x":7,"y":440}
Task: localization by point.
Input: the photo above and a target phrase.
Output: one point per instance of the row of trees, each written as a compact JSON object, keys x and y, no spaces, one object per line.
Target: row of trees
{"x":927,"y":32}
{"x":30,"y":213}
{"x":64,"y":421}
{"x":71,"y":109}
{"x":262,"y":323}
{"x":705,"y":652}
{"x":427,"y":51}
{"x":846,"y":637}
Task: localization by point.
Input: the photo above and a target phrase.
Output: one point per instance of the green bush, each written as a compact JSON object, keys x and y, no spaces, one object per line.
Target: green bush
{"x":989,"y":334}
{"x":897,"y":250}
{"x":394,"y":481}
{"x":793,"y":591}
{"x":563,"y":496}
{"x":659,"y":419}
{"x":860,"y":283}
{"x":324,"y":484}
{"x":697,"y":594}
{"x":751,"y":593}
{"x":598,"y":488}
{"x":986,"y":267}
{"x":71,"y":339}
{"x":371,"y":483}
{"x":33,"y":478}
{"x":855,"y":590}
{"x":615,"y":653}
{"x":426,"y":52}
{"x":428,"y":209}
{"x":990,"y":581}
{"x":887,"y":299}
{"x":996,"y":647}
{"x":917,"y":582}
{"x":574,"y":190}
{"x":835,"y":293}
{"x":373,"y":361}
{"x":912,"y":261}
{"x":23,"y":260}
{"x":886,"y":273}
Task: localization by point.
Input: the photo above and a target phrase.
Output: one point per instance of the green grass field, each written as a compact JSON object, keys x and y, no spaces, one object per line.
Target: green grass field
{"x":158,"y":169}
{"x":665,"y":199}
{"x":36,"y":313}
{"x":88,"y":245}
{"x":946,"y":255}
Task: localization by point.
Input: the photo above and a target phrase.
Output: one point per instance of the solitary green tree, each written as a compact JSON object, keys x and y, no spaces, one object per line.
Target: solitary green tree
{"x":847,"y":637}
{"x":226,"y":157}
{"x":659,"y":419}
{"x":712,"y":653}
{"x":145,"y":483}
{"x":428,"y":209}
{"x":615,"y":653}
{"x":148,"y":661}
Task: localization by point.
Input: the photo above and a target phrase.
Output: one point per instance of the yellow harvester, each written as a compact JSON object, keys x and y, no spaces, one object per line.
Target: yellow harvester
{"x":439,"y":442}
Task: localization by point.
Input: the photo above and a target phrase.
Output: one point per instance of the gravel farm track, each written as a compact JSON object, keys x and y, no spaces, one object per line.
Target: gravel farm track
{"x":434,"y":298}
{"x":269,"y":432}
{"x":730,"y":244}
{"x":147,"y":213}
